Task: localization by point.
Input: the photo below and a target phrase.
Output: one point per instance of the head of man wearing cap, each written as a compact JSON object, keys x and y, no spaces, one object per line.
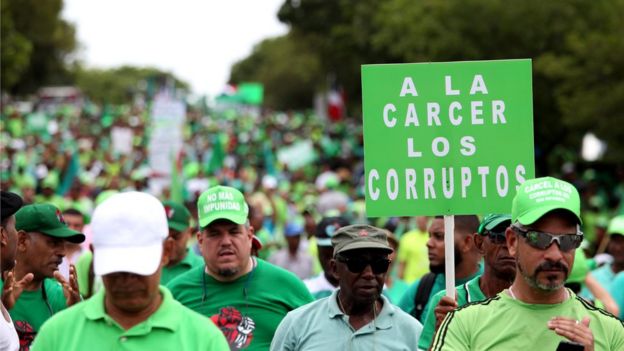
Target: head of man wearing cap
{"x":180,"y":230}
{"x":130,"y":247}
{"x":225,"y":236}
{"x":491,"y":242}
{"x":325,"y":230}
{"x":11,"y":203}
{"x":360,"y":264}
{"x":545,"y":232}
{"x":41,"y":240}
{"x":615,"y":248}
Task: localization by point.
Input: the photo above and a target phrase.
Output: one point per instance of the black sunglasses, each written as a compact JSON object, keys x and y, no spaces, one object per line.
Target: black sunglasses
{"x":542,"y":240}
{"x":358,"y":264}
{"x":496,"y":237}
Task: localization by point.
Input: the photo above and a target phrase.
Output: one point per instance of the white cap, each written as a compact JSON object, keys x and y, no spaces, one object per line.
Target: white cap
{"x":128,"y":233}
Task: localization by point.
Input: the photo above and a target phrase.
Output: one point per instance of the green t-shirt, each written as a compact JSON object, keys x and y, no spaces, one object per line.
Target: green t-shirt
{"x":248,"y":309}
{"x":466,"y":293}
{"x":503,"y":323}
{"x":190,"y":261}
{"x":413,"y":252}
{"x":86,"y":326}
{"x":31,"y":310}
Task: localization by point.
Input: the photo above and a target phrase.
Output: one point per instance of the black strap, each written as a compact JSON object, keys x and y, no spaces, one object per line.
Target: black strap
{"x":422,"y":294}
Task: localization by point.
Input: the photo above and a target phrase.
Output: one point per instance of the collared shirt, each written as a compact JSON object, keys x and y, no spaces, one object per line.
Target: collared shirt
{"x":87,"y":326}
{"x":321,"y":325}
{"x":407,"y":301}
{"x":190,"y":261}
{"x":466,"y":293}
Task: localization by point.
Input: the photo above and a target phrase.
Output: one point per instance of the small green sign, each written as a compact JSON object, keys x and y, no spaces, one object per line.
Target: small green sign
{"x":446,"y":138}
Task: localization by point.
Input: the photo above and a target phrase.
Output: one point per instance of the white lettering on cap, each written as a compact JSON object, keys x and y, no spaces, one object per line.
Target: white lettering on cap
{"x":222,"y":206}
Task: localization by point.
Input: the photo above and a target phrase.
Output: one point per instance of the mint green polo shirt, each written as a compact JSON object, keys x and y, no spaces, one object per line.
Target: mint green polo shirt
{"x":190,"y":261}
{"x":466,"y":293}
{"x":86,"y":326}
{"x":407,"y":301}
{"x":321,"y":325}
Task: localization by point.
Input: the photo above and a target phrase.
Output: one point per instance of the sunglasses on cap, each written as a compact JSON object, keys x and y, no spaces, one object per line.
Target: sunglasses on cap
{"x":542,"y":240}
{"x":357,"y":264}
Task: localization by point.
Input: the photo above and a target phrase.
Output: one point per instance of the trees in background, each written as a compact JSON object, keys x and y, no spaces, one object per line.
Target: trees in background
{"x":577,"y":48}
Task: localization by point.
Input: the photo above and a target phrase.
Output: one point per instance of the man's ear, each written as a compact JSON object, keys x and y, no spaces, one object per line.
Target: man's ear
{"x":23,"y":239}
{"x":168,"y":245}
{"x":512,"y":241}
{"x":478,"y":242}
{"x":4,"y":240}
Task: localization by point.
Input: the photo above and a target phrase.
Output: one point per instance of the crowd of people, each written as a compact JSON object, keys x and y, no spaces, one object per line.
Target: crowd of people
{"x":259,"y":252}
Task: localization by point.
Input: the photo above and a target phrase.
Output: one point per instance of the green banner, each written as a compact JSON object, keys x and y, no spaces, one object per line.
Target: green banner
{"x":446,"y":138}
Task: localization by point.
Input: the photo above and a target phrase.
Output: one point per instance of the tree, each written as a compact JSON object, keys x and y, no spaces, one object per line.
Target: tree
{"x":289,"y":71}
{"x":118,"y":85}
{"x":36,"y":34}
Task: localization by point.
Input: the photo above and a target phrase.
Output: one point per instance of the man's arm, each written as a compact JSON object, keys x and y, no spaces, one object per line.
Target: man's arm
{"x":283,"y":339}
{"x":452,"y":334}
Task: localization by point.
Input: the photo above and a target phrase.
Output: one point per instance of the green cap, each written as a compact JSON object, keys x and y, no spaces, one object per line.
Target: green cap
{"x":360,"y":236}
{"x":178,"y":216}
{"x":536,"y":197}
{"x":616,"y":226}
{"x":222,"y":202}
{"x":492,"y":220}
{"x":46,"y":219}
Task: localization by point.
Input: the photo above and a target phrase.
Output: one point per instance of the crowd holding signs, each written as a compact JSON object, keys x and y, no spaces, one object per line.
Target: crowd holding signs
{"x":264,"y":198}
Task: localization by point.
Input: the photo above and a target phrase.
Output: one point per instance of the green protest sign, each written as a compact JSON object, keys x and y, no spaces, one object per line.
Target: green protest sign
{"x":446,"y":138}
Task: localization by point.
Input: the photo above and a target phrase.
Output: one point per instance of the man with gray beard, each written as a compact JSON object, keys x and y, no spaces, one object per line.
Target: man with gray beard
{"x":246,"y":297}
{"x":536,"y":312}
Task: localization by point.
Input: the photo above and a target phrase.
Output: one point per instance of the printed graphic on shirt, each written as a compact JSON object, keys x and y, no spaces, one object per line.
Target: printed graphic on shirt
{"x":238,"y":329}
{"x":26,"y":334}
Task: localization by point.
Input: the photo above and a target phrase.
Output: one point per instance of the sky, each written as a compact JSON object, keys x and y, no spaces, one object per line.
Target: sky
{"x":197,"y":40}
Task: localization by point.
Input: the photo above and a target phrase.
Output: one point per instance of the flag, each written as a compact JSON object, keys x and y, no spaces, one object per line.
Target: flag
{"x":335,"y":104}
{"x":177,"y":188}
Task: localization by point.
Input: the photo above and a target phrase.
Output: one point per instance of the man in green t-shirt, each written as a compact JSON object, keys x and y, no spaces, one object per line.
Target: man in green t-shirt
{"x":40,"y":250}
{"x":246,"y":297}
{"x":132,"y":312}
{"x":537,"y":311}
{"x":182,"y":258}
{"x":498,"y":272}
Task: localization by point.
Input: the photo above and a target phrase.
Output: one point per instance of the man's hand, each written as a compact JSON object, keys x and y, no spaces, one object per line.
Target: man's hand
{"x":445,"y":306}
{"x":12,"y":289}
{"x":70,"y":289}
{"x":574,"y":330}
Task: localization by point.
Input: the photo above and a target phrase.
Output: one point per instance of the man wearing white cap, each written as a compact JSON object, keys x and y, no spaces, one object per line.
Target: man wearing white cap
{"x":133,"y":312}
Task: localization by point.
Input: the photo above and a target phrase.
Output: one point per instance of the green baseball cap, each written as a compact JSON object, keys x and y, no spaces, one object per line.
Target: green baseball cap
{"x":178,"y":216}
{"x":538,"y":196}
{"x":360,"y":236}
{"x":46,"y":219}
{"x":616,"y":226}
{"x":222,"y":202}
{"x":492,"y":220}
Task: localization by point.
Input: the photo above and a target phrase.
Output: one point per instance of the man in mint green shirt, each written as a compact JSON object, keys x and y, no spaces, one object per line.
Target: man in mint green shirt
{"x":467,"y":260}
{"x":498,"y":273}
{"x":133,"y":312}
{"x":536,"y":312}
{"x":182,"y":258}
{"x":356,"y":316}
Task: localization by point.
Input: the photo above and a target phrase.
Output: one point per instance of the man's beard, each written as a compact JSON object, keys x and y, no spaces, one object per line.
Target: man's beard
{"x":547,"y":265}
{"x":440,"y":268}
{"x":227,"y":272}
